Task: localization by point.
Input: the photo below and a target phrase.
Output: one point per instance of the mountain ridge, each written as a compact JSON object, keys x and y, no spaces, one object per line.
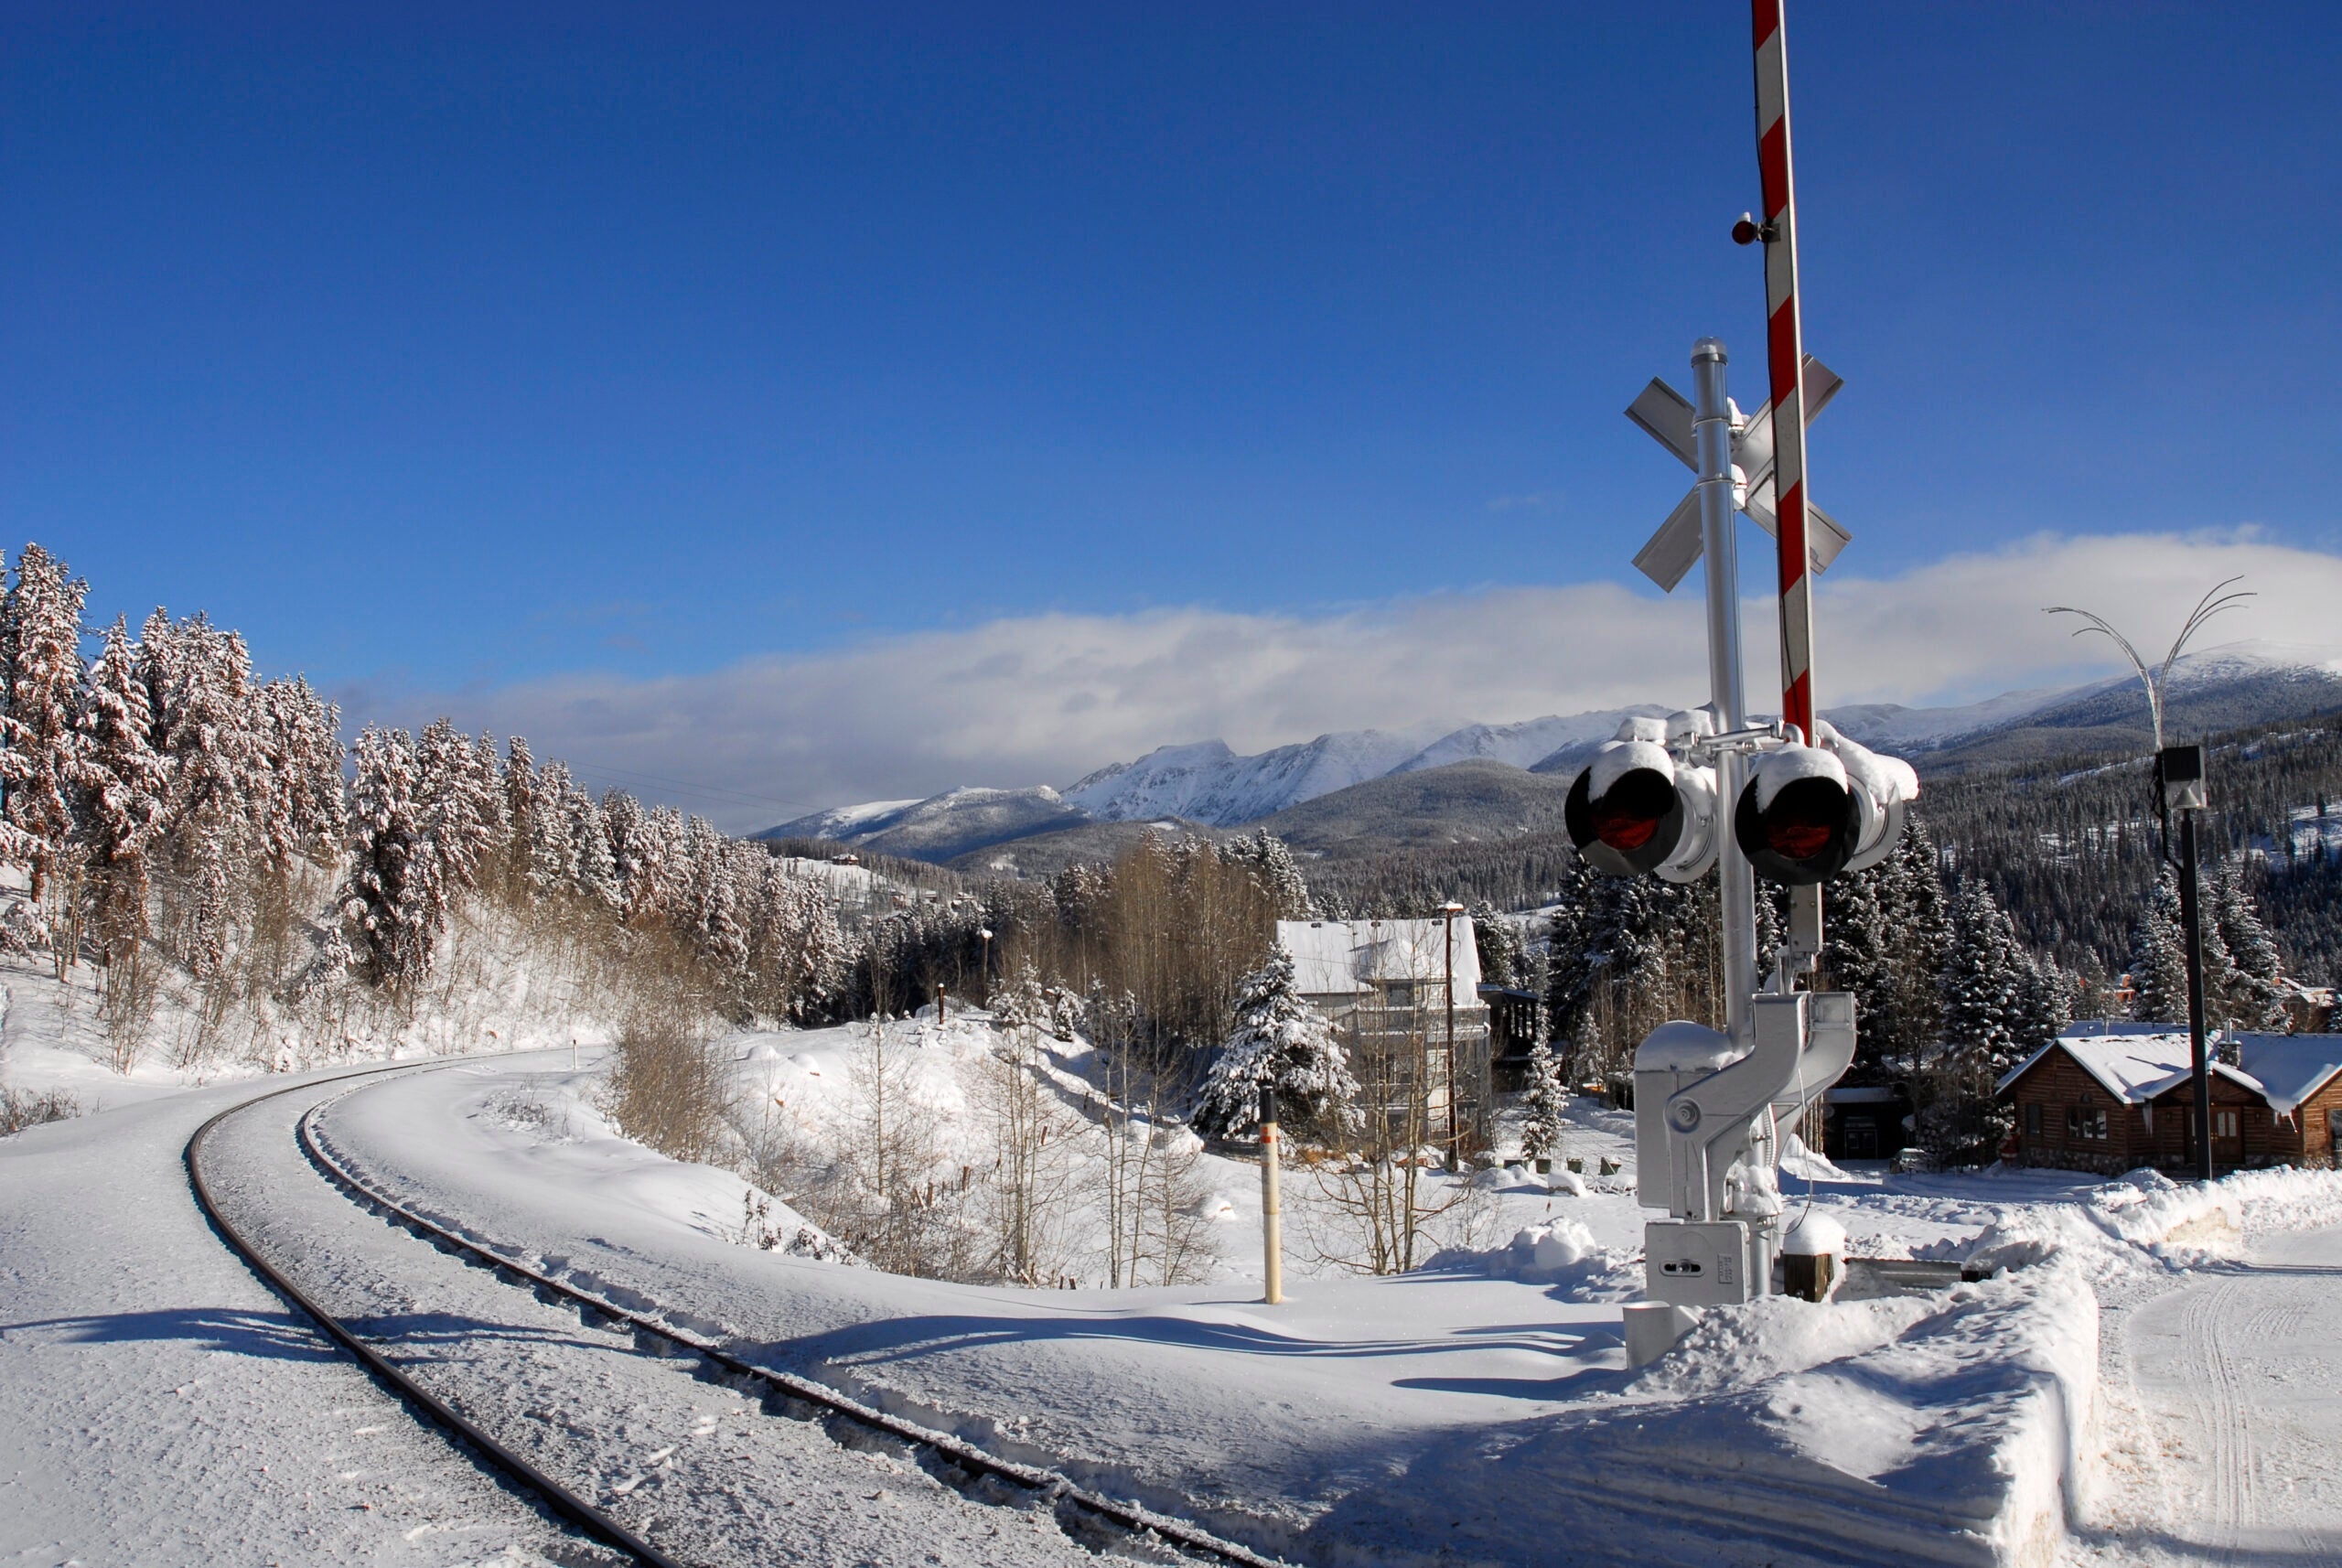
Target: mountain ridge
{"x":1208,"y":783}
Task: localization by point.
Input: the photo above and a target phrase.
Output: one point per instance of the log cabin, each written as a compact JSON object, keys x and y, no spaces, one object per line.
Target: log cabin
{"x":2115,"y":1096}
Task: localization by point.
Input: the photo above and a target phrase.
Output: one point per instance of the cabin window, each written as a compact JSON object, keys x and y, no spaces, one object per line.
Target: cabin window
{"x":2033,"y":1119}
{"x":2224,"y":1124}
{"x":1401,"y":994}
{"x":2086,"y":1121}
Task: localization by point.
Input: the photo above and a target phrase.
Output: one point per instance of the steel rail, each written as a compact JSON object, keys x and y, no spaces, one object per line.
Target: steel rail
{"x":957,"y":1452}
{"x":556,"y":1498}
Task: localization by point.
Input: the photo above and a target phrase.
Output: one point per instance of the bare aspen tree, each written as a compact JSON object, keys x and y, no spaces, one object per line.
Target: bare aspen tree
{"x":1153,"y":1180}
{"x":1034,"y":1141}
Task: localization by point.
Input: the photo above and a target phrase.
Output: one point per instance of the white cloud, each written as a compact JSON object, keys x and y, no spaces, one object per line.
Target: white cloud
{"x":1047,"y":698}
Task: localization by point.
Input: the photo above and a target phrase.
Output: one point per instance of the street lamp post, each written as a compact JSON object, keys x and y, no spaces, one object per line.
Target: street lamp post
{"x":2180,"y":787}
{"x":2179,"y":773}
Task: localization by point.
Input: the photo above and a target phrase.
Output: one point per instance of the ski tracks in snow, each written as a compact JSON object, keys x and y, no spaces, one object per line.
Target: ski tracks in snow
{"x":2235,"y":1415}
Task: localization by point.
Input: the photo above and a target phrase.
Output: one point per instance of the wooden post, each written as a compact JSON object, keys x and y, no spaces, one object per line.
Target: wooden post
{"x":1271,"y":1237}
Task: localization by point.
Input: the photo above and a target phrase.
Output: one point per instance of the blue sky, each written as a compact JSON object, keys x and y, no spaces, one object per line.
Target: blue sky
{"x":443,"y":355}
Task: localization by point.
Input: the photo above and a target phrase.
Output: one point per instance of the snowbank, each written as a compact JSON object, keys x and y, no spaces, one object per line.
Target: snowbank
{"x":1947,"y":1430}
{"x":2146,"y":1216}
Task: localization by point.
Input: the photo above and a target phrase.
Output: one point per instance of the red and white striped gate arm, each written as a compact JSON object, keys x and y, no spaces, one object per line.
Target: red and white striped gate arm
{"x":1785,"y":354}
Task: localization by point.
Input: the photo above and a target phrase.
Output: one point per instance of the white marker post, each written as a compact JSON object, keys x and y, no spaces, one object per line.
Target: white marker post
{"x":1272,"y":1230}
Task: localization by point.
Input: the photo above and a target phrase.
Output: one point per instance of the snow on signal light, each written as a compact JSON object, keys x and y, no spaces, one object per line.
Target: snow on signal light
{"x":1798,"y":819}
{"x":1634,"y":810}
{"x":1813,"y":811}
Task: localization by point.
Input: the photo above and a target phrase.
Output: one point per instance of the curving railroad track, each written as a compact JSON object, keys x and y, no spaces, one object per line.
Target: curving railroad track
{"x":515,"y":1417}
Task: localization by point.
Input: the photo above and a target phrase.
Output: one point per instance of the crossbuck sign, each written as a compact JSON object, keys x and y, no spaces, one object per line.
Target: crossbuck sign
{"x":1665,"y":415}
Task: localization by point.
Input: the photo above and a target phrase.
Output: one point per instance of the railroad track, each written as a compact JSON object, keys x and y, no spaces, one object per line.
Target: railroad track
{"x":556,"y":1498}
{"x":966,"y":1467}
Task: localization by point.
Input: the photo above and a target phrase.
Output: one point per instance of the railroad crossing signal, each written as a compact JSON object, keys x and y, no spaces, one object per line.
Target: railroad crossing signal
{"x":1666,"y":416}
{"x":1648,"y":803}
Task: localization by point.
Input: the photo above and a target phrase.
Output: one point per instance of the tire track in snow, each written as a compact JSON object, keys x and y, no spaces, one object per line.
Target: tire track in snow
{"x":2221,"y":1357}
{"x":2219,"y":1413}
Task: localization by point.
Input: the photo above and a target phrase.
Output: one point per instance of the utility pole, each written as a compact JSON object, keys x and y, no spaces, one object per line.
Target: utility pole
{"x":1454,"y":1150}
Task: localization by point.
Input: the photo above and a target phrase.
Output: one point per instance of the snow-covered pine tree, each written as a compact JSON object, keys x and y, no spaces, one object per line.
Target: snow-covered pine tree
{"x":207,"y":726}
{"x":597,"y":873}
{"x":1016,"y":1003}
{"x":320,"y":801}
{"x":391,"y":898}
{"x":298,"y":785}
{"x":1985,"y":977}
{"x":1498,"y":942}
{"x":714,"y":918}
{"x":1067,"y":1014}
{"x":121,"y":784}
{"x":550,"y":861}
{"x":2256,"y":997}
{"x":2158,"y":958}
{"x":1271,"y":865}
{"x":1919,"y":930}
{"x":1572,"y":961}
{"x":457,"y":799}
{"x":1861,"y":956}
{"x":1280,"y":1041}
{"x":797,"y":951}
{"x":629,"y":827}
{"x":1547,"y":1110}
{"x":526,"y":804}
{"x":41,"y":675}
{"x":2045,"y":1002}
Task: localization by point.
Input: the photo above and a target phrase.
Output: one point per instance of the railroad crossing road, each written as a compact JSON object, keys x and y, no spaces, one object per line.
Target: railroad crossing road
{"x":2241,"y":1370}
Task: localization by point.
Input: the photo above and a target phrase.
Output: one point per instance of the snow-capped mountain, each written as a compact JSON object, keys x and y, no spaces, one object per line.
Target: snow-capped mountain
{"x":1205,"y":781}
{"x":845,"y":824}
{"x":1523,"y":745}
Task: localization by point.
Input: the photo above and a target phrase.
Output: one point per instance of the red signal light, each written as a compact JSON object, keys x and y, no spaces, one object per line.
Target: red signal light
{"x":1798,"y":826}
{"x":1630,"y":816}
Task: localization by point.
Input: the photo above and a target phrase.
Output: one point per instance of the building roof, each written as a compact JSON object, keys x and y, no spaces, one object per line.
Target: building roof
{"x":2136,"y":1063}
{"x":1338,"y":957}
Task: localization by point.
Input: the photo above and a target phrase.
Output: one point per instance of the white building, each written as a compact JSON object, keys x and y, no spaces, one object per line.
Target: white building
{"x":1386,"y":985}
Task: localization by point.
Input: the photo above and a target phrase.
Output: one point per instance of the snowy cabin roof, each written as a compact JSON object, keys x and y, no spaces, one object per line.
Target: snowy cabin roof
{"x":2136,"y":1063}
{"x":1339,"y":957}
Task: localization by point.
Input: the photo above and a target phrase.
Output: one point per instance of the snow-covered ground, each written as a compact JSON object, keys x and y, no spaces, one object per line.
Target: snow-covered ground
{"x":2091,"y":1404}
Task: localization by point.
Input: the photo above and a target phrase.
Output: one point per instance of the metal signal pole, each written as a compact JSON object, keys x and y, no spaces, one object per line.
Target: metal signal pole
{"x":1735,"y":880}
{"x":1785,"y":356}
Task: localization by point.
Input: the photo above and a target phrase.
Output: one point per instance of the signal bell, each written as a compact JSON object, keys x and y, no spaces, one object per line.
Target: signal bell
{"x":1811,"y":813}
{"x":1634,"y":809}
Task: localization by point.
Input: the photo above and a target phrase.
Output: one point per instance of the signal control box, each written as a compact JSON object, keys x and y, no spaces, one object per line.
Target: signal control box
{"x":1702,"y":1264}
